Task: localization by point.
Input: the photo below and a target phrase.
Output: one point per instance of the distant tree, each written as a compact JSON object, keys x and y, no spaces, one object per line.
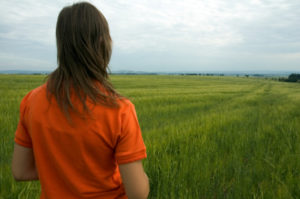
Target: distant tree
{"x":293,"y":77}
{"x":247,"y":76}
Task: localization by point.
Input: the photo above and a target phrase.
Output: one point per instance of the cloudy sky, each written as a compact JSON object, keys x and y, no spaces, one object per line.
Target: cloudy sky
{"x":166,"y":35}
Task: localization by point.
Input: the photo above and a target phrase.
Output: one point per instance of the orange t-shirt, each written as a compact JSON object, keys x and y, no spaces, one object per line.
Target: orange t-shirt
{"x":79,"y":159}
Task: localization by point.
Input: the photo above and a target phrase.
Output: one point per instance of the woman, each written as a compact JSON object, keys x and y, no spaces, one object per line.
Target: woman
{"x":76,"y":134}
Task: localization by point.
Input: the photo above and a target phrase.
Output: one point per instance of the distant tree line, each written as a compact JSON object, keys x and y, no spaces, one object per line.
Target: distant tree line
{"x":294,"y":77}
{"x":202,"y":74}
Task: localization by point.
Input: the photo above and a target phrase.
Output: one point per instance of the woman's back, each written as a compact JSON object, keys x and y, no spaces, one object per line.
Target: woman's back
{"x":79,"y":159}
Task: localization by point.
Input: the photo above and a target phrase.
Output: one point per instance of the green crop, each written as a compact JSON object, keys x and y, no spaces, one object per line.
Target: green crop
{"x":206,"y":137}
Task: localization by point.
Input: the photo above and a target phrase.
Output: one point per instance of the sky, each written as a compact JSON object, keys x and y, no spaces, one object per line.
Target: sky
{"x":163,"y":36}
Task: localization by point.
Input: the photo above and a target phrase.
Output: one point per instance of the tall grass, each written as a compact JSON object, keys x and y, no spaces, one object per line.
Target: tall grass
{"x":206,"y":137}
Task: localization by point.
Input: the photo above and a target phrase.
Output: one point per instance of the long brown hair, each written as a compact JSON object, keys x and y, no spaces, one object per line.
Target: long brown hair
{"x":83,"y":53}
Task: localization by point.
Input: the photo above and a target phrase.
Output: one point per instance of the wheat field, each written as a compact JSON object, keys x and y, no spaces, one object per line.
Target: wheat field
{"x":206,"y":137}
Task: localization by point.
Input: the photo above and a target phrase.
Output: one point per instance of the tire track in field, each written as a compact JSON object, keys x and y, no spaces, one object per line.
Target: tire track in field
{"x":230,"y":106}
{"x":188,"y":112}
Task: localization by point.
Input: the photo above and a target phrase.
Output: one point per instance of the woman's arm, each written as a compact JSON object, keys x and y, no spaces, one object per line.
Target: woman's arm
{"x":135,"y":180}
{"x":23,"y":164}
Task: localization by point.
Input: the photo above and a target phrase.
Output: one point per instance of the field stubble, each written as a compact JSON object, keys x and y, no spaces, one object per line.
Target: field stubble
{"x":206,"y":137}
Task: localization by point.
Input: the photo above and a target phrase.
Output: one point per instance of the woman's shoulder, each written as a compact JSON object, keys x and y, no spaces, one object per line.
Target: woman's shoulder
{"x":125,"y":103}
{"x":34,"y":92}
{"x":30,"y":98}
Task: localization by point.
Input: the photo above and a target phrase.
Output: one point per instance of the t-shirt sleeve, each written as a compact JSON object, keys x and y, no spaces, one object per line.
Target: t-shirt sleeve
{"x":130,"y":146}
{"x":22,"y":136}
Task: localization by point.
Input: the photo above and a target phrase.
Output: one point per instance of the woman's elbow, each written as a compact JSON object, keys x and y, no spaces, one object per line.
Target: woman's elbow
{"x":146,"y":193}
{"x":20,"y":175}
{"x":139,"y":194}
{"x":142,"y":192}
{"x":17,"y":175}
{"x":135,"y":180}
{"x":147,"y":187}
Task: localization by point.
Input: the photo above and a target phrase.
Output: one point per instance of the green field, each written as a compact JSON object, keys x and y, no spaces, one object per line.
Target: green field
{"x":206,"y":137}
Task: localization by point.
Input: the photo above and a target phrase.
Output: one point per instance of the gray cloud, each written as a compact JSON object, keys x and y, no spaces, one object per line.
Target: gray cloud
{"x":164,"y":35}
